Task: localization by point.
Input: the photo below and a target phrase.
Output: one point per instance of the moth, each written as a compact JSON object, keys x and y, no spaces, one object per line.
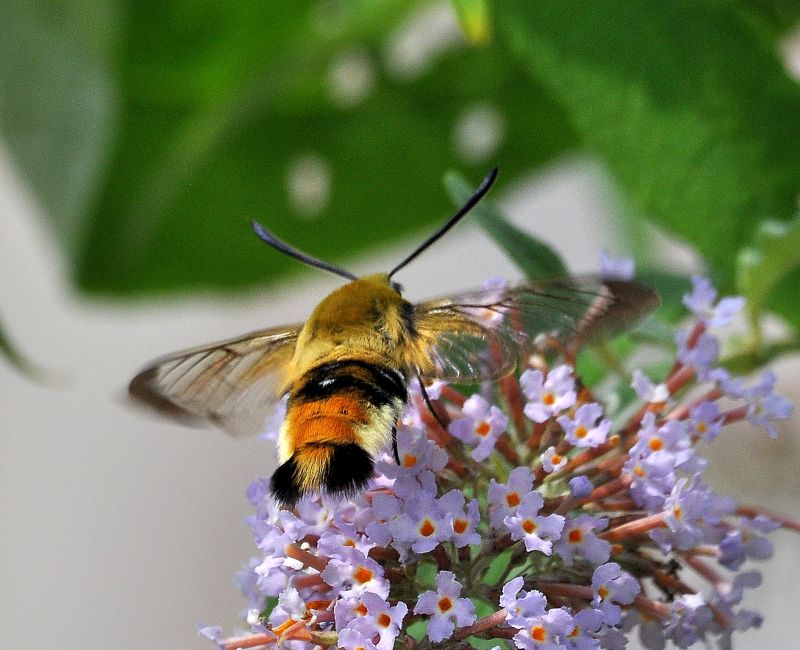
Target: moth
{"x":345,"y":372}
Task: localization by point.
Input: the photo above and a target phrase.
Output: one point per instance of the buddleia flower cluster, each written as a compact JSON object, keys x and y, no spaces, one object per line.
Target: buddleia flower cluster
{"x":527,"y":515}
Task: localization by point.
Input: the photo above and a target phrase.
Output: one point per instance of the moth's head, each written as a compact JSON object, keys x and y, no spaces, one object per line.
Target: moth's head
{"x":382,"y":281}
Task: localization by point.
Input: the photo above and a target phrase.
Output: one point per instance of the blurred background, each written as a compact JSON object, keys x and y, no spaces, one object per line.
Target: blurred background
{"x":138,"y":139}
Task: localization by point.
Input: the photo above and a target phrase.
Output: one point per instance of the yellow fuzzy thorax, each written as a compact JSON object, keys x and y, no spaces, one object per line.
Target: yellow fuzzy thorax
{"x":365,"y":319}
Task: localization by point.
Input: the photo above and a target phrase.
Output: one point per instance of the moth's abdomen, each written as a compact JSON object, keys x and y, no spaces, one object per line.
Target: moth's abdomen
{"x":340,"y":415}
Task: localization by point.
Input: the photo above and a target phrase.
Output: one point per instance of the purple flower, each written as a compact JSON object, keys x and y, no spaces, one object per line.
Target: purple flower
{"x":689,"y":509}
{"x":544,"y":632}
{"x":521,"y":605}
{"x":381,"y":618}
{"x":290,"y":607}
{"x":538,"y":532}
{"x":613,"y":585}
{"x":422,"y":526}
{"x":647,"y":390}
{"x":213,"y":632}
{"x":701,"y":303}
{"x":445,"y":607}
{"x":705,"y":420}
{"x":690,"y":621}
{"x":505,"y":499}
{"x":481,"y":425}
{"x":587,"y":623}
{"x":671,"y":439}
{"x":548,"y":396}
{"x":246,"y":580}
{"x":385,"y":510}
{"x":332,"y":542}
{"x":552,"y":461}
{"x":347,"y":609}
{"x":433,"y":387}
{"x":354,"y":574}
{"x":653,"y":478}
{"x":417,"y":453}
{"x":765,"y":406}
{"x":354,"y":639}
{"x":578,"y":539}
{"x":580,"y":487}
{"x":462,"y":524}
{"x":703,"y":353}
{"x":615,"y":268}
{"x":745,"y":542}
{"x":583,"y":430}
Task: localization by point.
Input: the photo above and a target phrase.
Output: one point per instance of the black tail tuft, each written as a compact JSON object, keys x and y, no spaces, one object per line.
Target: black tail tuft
{"x":284,"y":486}
{"x":349,"y":470}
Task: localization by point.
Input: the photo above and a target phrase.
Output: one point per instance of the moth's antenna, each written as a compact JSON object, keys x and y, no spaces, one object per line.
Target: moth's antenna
{"x":267,"y":237}
{"x":479,"y":194}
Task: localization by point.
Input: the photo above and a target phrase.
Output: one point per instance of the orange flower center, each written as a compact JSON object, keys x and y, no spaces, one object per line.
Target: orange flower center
{"x":580,"y":431}
{"x":513,"y":499}
{"x":549,"y":399}
{"x":383,"y":619}
{"x":362,"y":575}
{"x":360,"y":609}
{"x":678,"y":511}
{"x":556,"y":459}
{"x":538,"y":633}
{"x":602,"y":591}
{"x":427,"y":528}
{"x":528,"y":526}
{"x":409,"y":460}
{"x":483,"y":429}
{"x":460,"y":525}
{"x":575,"y":536}
{"x":656,"y":444}
{"x":701,"y":427}
{"x":445,"y":604}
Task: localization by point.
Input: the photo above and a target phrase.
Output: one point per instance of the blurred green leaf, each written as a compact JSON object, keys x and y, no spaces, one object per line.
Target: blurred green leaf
{"x":16,"y":358}
{"x":689,"y":106}
{"x":533,"y":257}
{"x":776,"y":16}
{"x":57,"y":101}
{"x":761,"y":266}
{"x":498,"y":567}
{"x":222,"y":107}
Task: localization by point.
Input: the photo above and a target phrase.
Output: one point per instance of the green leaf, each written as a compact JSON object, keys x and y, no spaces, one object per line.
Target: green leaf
{"x":426,"y":575}
{"x":771,"y":257}
{"x":13,"y":356}
{"x":221,"y":107}
{"x":269,"y":604}
{"x":497,"y":567}
{"x":776,"y":17}
{"x":686,"y":102}
{"x":417,"y":630}
{"x":533,"y":257}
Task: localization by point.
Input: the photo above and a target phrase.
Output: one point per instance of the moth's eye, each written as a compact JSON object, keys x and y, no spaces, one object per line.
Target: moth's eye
{"x":397,"y":287}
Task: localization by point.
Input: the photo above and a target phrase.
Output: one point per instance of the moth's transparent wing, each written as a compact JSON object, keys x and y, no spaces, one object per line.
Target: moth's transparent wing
{"x":479,"y":335}
{"x":234,"y":384}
